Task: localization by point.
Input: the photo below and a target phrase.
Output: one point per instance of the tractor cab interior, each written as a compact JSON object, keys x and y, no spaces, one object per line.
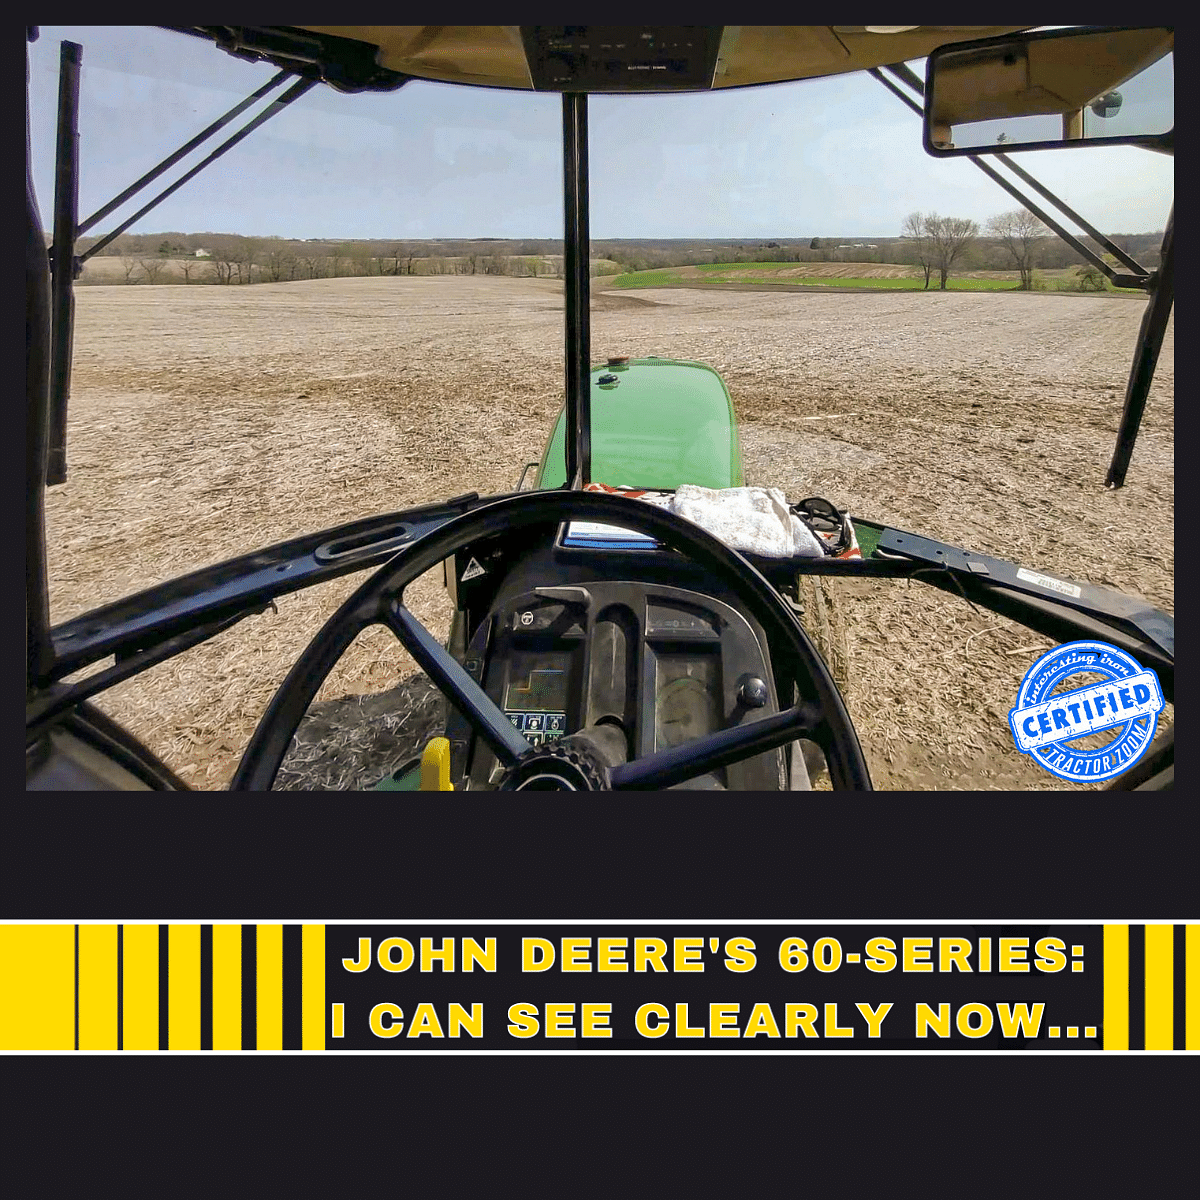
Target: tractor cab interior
{"x":599,"y":641}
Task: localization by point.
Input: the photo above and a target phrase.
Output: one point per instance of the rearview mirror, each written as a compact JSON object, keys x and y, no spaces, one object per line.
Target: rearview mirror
{"x":1060,"y":87}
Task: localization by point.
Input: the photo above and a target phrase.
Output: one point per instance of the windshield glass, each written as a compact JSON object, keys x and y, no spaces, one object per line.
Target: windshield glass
{"x":359,"y":309}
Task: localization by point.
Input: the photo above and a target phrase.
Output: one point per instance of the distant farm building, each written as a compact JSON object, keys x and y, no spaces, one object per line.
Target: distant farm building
{"x":204,"y":254}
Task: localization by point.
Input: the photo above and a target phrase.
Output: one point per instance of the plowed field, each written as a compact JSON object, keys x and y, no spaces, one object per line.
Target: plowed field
{"x":208,"y":421}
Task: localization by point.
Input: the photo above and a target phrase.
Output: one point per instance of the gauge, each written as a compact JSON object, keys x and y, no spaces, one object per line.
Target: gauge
{"x":686,"y":703}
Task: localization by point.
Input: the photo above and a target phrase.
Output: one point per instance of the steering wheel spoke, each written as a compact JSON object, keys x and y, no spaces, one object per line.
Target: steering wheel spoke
{"x":669,"y":767}
{"x":455,"y":684}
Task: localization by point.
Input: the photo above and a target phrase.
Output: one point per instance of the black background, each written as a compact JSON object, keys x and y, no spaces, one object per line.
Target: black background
{"x":897,"y":857}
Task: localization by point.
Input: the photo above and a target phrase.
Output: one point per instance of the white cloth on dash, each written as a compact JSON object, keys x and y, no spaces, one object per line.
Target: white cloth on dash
{"x":747,"y":518}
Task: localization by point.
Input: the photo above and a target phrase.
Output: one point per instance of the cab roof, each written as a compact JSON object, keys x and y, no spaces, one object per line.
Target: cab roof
{"x":585,"y":58}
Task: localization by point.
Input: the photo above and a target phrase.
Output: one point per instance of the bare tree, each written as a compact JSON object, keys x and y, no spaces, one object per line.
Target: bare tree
{"x":153,"y":268}
{"x":949,"y":237}
{"x":224,"y":259}
{"x":915,"y":232}
{"x":279,"y":261}
{"x":359,"y":256}
{"x":129,"y":265}
{"x":1022,"y":235}
{"x":244,"y":252}
{"x":187,"y":266}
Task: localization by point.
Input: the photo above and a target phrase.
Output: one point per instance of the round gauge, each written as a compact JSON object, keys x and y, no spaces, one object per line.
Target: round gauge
{"x":686,"y":710}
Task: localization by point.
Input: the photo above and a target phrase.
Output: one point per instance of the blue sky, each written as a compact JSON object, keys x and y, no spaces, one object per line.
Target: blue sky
{"x":825,"y":157}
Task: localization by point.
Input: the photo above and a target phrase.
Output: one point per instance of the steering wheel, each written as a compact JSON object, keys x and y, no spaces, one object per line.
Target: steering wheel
{"x":820,"y":714}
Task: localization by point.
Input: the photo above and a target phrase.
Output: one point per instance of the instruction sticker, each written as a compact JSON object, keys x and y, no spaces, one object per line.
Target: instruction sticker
{"x":1049,"y":582}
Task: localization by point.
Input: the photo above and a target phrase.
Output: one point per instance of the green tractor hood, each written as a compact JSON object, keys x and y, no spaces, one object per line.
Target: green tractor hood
{"x":656,"y":423}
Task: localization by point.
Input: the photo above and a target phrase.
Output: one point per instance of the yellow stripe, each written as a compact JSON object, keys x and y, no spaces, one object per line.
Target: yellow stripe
{"x":1160,"y":987}
{"x":37,"y":987}
{"x":270,"y":987}
{"x":1116,"y":987}
{"x":313,"y":986}
{"x":140,"y":987}
{"x":227,"y":987}
{"x":97,"y":987}
{"x":1192,"y":987}
{"x":183,"y":987}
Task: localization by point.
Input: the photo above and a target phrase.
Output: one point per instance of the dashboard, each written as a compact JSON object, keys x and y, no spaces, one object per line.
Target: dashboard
{"x":665,"y":664}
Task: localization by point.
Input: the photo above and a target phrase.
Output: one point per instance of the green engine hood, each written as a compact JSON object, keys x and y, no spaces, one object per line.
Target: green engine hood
{"x":664,"y":422}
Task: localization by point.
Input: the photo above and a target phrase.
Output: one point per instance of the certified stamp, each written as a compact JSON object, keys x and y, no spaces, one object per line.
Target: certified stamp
{"x":1127,"y":698}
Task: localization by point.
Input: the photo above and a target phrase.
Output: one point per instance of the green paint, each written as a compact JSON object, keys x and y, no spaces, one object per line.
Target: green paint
{"x":666,"y":422}
{"x":409,"y":781}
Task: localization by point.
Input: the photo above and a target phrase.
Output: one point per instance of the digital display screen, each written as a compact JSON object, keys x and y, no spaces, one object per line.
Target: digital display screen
{"x":537,"y":681}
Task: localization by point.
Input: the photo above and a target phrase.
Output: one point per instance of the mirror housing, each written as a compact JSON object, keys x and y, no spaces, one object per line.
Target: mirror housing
{"x":1051,"y":89}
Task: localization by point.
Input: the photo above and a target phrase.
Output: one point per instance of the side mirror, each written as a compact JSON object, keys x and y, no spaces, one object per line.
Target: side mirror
{"x":1047,"y":90}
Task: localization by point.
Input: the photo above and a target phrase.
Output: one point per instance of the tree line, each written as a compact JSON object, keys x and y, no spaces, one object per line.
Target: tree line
{"x":1013,"y":241}
{"x":238,"y":259}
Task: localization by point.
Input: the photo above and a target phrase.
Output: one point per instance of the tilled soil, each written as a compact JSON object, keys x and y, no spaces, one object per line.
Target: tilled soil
{"x":209,"y":421}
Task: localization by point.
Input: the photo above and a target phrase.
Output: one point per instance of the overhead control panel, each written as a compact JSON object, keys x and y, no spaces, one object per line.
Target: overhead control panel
{"x":621,"y":58}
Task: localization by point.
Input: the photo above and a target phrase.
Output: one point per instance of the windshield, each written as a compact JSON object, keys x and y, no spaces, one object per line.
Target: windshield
{"x":359,"y":309}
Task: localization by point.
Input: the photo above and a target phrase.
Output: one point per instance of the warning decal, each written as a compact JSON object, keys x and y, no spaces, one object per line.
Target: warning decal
{"x":473,"y":571}
{"x":1048,"y":582}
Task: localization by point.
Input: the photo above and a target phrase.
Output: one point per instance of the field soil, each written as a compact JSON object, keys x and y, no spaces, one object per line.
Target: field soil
{"x":210,"y":421}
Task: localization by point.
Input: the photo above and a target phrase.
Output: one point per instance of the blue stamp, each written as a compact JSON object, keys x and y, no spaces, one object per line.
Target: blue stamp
{"x":1129,"y":700}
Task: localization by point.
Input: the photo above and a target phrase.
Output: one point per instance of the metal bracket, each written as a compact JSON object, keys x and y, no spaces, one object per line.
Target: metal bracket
{"x":1152,"y":624}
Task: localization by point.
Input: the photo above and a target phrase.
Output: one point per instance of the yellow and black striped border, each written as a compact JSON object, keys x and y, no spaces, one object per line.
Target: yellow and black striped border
{"x":262,"y":987}
{"x":162,"y":987}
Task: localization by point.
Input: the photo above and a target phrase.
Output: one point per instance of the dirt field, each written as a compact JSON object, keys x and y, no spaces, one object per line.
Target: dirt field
{"x":208,"y":421}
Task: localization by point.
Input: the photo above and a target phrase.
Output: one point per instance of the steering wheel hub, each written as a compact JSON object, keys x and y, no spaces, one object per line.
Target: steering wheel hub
{"x":556,"y":769}
{"x":579,"y":762}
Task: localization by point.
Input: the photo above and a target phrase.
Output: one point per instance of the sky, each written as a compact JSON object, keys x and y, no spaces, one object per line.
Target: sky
{"x":833,"y":157}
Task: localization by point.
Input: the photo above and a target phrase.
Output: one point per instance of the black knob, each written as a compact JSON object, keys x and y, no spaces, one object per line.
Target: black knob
{"x":753,"y":692}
